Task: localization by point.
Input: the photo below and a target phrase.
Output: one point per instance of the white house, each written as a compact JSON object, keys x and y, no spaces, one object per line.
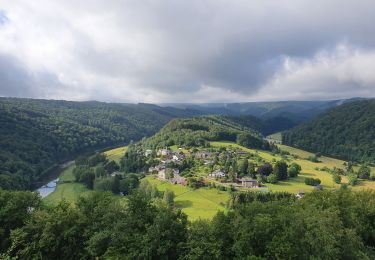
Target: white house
{"x":148,"y":153}
{"x":217,"y":174}
{"x":164,"y":152}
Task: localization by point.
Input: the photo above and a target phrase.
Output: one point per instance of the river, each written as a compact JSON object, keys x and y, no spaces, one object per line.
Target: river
{"x":49,"y":187}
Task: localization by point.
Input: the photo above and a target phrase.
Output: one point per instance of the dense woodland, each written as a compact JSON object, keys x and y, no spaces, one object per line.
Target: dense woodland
{"x":346,"y":131}
{"x":323,"y":225}
{"x":36,"y":134}
{"x":198,"y":131}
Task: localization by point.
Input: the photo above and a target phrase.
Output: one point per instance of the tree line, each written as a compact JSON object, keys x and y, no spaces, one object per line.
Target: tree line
{"x":322,"y":225}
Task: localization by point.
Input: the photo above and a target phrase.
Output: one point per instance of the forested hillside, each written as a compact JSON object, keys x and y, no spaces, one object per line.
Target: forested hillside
{"x":35,"y":134}
{"x":347,"y":131}
{"x":293,"y":111}
{"x":199,"y":130}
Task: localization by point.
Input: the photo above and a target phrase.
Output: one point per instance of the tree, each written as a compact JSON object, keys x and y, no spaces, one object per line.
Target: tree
{"x":251,"y":170}
{"x":116,"y":184}
{"x":364,"y":172}
{"x":312,"y":181}
{"x":129,"y":183}
{"x":336,"y":178}
{"x":294,"y":170}
{"x":15,"y":211}
{"x":243,"y":167}
{"x":111,"y":167}
{"x":265,"y":169}
{"x":100,"y":172}
{"x":272,"y":178}
{"x":169,"y":173}
{"x":87,"y":177}
{"x":168,"y":198}
{"x":353,"y":179}
{"x":281,"y":170}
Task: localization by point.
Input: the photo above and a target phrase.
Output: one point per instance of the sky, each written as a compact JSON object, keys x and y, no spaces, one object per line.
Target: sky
{"x":196,"y":51}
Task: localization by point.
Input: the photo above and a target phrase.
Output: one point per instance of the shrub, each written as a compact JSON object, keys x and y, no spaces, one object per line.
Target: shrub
{"x":312,"y":181}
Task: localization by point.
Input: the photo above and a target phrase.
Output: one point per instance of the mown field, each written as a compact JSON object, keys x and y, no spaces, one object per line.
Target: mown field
{"x":200,"y":203}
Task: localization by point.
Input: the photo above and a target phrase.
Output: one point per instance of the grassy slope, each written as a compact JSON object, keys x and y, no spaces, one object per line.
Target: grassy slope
{"x":201,"y":203}
{"x":66,"y":191}
{"x":308,"y":169}
{"x":116,"y":154}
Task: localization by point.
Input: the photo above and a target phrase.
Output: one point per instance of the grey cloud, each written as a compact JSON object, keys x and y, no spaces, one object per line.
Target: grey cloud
{"x":160,"y":50}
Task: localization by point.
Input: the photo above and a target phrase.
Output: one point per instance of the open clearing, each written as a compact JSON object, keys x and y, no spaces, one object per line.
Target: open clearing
{"x":201,"y":203}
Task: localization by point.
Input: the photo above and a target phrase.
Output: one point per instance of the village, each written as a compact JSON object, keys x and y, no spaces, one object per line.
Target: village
{"x":168,"y":170}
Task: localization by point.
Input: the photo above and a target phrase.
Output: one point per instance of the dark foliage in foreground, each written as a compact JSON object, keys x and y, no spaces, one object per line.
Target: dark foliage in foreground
{"x":322,"y":225}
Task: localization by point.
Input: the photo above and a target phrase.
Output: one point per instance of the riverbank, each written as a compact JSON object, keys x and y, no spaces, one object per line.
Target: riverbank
{"x":53,"y":179}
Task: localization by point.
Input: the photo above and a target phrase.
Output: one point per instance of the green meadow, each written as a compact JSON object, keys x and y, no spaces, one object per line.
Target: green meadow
{"x":201,"y":203}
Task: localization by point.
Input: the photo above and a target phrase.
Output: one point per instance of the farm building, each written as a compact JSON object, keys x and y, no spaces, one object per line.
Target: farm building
{"x":248,"y":182}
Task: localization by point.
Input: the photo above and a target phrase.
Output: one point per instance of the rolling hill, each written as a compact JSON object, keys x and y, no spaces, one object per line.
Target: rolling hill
{"x":36,"y":134}
{"x":347,"y":131}
{"x":198,"y":131}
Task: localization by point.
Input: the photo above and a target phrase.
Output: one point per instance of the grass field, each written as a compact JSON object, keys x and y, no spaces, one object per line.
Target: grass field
{"x":308,"y":169}
{"x":66,"y":191}
{"x":116,"y":154}
{"x":201,"y":203}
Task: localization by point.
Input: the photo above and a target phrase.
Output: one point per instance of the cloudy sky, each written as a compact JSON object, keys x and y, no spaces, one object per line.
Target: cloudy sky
{"x":187,"y":51}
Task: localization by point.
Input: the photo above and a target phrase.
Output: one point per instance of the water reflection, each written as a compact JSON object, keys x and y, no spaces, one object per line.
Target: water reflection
{"x":47,"y":189}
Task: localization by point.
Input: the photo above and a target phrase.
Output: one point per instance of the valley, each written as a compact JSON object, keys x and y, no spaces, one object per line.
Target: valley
{"x":205,"y":202}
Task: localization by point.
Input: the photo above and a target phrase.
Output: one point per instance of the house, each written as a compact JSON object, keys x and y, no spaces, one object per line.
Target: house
{"x":115,"y":173}
{"x":300,"y":194}
{"x":247,"y":182}
{"x":217,"y":174}
{"x":156,"y":168}
{"x":208,"y":162}
{"x":202,"y":155}
{"x":148,"y":153}
{"x":162,"y":174}
{"x":178,"y":179}
{"x":164,"y":152}
{"x":178,"y":157}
